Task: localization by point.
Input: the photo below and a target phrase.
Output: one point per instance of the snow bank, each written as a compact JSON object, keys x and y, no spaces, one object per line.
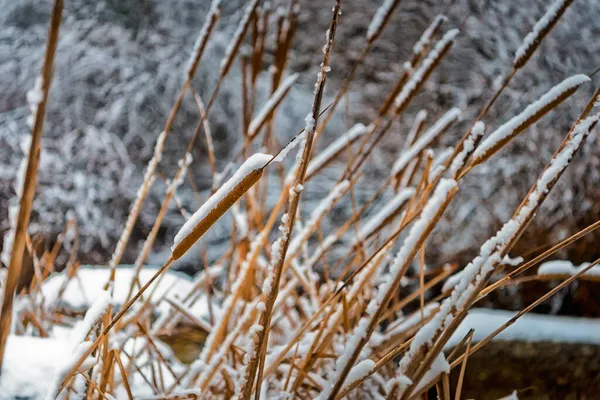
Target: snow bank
{"x":88,"y":285}
{"x":560,"y":267}
{"x":29,"y":366}
{"x":528,"y":328}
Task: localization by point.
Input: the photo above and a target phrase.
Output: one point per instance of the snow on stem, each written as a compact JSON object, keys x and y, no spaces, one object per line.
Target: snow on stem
{"x":426,"y":139}
{"x":381,"y":18}
{"x":468,"y":147}
{"x":530,"y":115}
{"x":243,"y":179}
{"x":238,"y":37}
{"x":476,"y":273}
{"x":212,"y":18}
{"x":539,"y":31}
{"x":413,"y":242}
{"x":425,"y":39}
{"x":267,"y":110}
{"x":328,"y":154}
{"x":419,"y":77}
{"x":381,"y":218}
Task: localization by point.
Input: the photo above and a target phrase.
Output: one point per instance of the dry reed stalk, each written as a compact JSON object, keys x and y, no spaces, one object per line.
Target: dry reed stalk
{"x":463,"y":366}
{"x":29,"y":182}
{"x":242,"y":281}
{"x":256,"y":362}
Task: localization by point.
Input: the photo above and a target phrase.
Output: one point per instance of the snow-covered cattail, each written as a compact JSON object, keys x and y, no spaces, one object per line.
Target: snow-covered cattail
{"x":328,"y":154}
{"x":381,"y":18}
{"x":242,"y":180}
{"x":539,"y":31}
{"x":211,"y":20}
{"x":426,"y":139}
{"x":425,"y":40}
{"x":267,"y":110}
{"x":419,"y":77}
{"x":238,"y":37}
{"x":527,"y":117}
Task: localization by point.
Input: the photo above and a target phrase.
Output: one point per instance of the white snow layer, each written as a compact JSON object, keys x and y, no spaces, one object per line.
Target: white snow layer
{"x":560,"y":267}
{"x":254,"y":162}
{"x":335,"y":148}
{"x":88,"y":285}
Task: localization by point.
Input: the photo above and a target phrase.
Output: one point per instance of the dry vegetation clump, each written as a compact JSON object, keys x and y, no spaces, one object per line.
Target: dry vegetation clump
{"x":296,"y":307}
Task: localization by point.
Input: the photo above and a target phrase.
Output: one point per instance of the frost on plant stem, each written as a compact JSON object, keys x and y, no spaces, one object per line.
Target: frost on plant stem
{"x":379,"y":18}
{"x":202,"y":38}
{"x":254,"y":162}
{"x":326,"y":155}
{"x":468,"y":147}
{"x":402,"y":258}
{"x":388,"y":210}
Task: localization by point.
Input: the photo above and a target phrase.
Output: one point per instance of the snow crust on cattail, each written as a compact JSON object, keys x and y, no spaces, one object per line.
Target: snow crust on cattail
{"x":386,"y":212}
{"x":335,"y":148}
{"x":468,"y":147}
{"x":506,"y":130}
{"x":426,"y":139}
{"x":381,"y":14}
{"x":254,"y":162}
{"x":491,"y":251}
{"x":418,"y":76}
{"x":274,"y":100}
{"x":539,"y":29}
{"x":200,"y":43}
{"x":427,"y":35}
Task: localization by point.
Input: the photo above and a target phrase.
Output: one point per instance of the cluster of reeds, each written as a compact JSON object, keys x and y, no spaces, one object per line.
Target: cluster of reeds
{"x":290,"y":324}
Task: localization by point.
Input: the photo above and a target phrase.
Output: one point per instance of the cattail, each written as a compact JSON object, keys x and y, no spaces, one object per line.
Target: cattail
{"x":539,"y":31}
{"x":365,"y":327}
{"x":527,"y":117}
{"x":211,"y":20}
{"x":426,"y":139}
{"x":328,"y":154}
{"x":425,"y":40}
{"x":381,"y":18}
{"x":244,"y":178}
{"x":238,"y":37}
{"x":468,"y":147}
{"x":389,"y":211}
{"x":493,"y":251}
{"x":267,"y":110}
{"x":419,"y":77}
